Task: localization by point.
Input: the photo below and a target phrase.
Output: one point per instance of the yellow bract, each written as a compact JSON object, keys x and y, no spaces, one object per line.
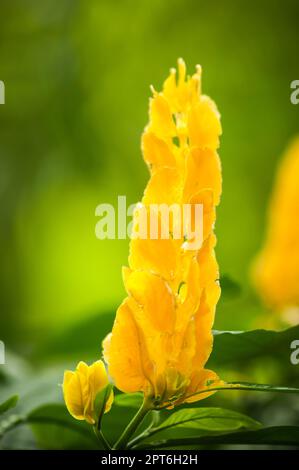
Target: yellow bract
{"x":81,"y":387}
{"x":276,"y":270}
{"x":162,"y":337}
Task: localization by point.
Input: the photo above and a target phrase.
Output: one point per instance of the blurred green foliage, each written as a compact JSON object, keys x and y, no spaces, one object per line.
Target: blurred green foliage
{"x":77,"y":78}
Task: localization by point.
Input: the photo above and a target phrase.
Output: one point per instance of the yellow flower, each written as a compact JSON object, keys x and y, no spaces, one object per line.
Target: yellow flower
{"x":276,"y":269}
{"x":162,"y":335}
{"x":81,"y":387}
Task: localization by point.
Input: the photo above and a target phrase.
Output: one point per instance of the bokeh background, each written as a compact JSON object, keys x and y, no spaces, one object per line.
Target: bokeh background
{"x":77,"y":78}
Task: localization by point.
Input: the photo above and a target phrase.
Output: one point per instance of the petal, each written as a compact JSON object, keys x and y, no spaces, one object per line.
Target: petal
{"x":68,"y":375}
{"x":203,"y":172}
{"x":82,"y":368}
{"x":199,"y":382}
{"x":206,"y":199}
{"x":128,"y":363}
{"x":98,"y":378}
{"x":161,"y":121}
{"x":170,"y":91}
{"x":185,"y":349}
{"x":153,"y":308}
{"x":82,"y":371}
{"x":73,"y":395}
{"x":158,"y":256}
{"x":189,"y":294}
{"x":204,"y":124}
{"x":209,"y":270}
{"x":204,"y":319}
{"x":164,"y":187}
{"x":153,"y":294}
{"x":156,"y":152}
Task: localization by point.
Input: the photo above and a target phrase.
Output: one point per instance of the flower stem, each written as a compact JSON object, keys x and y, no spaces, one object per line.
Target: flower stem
{"x":133,"y":425}
{"x":102,"y":438}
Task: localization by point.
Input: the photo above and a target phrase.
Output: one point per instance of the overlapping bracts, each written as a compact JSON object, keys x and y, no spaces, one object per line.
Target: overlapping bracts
{"x":162,"y":338}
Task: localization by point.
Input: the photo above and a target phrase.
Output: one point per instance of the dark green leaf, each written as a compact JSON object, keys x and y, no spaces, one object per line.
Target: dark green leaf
{"x":234,"y":348}
{"x":55,"y":428}
{"x":262,"y":387}
{"x":251,"y":387}
{"x":8,"y":404}
{"x":100,"y":403}
{"x":276,"y":436}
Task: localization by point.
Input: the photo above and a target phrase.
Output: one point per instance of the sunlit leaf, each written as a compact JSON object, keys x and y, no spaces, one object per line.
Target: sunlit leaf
{"x":205,"y":419}
{"x":216,"y":419}
{"x":132,"y":400}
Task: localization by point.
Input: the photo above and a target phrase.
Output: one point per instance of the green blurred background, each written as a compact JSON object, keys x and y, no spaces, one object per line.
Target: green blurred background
{"x":77,"y":76}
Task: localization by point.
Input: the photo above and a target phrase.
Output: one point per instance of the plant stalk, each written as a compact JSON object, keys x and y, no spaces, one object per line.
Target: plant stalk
{"x":133,"y":425}
{"x":102,"y":438}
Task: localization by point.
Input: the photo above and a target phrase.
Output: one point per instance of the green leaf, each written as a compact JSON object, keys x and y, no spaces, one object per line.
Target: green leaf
{"x":205,"y":419}
{"x":234,"y":348}
{"x":217,"y":419}
{"x":47,"y":427}
{"x":100,"y":403}
{"x":262,"y":387}
{"x":55,"y":428}
{"x":8,"y":404}
{"x":132,"y":400}
{"x":276,"y":435}
{"x":247,"y":386}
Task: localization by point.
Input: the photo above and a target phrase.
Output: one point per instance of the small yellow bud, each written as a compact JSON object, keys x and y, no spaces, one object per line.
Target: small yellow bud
{"x":81,"y":387}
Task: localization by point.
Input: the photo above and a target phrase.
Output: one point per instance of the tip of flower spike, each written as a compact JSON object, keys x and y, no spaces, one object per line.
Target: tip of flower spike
{"x":154,"y":92}
{"x":198,"y":72}
{"x":182,"y":70}
{"x":198,"y":69}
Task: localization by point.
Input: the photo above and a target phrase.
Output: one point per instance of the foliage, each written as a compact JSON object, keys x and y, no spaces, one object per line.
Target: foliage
{"x":36,"y":422}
